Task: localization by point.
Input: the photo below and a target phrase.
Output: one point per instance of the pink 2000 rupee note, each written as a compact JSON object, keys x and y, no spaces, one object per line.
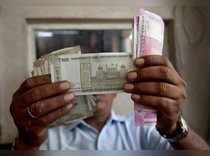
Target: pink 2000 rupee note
{"x":148,"y":36}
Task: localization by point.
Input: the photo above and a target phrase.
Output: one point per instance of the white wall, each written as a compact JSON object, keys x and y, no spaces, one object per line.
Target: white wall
{"x":192,"y":50}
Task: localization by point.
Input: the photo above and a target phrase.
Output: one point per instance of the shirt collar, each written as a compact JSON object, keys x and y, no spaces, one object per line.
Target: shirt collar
{"x":116,"y":117}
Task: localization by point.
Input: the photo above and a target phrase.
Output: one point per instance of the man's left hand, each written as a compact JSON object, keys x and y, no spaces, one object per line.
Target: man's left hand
{"x":156,"y":84}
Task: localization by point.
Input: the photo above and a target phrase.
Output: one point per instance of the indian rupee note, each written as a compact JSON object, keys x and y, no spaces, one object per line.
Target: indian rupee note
{"x":148,"y":40}
{"x":93,"y":73}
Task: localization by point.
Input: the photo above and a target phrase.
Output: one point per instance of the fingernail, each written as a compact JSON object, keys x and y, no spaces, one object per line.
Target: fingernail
{"x":64,"y":85}
{"x":139,"y":61}
{"x":69,"y":106}
{"x":128,"y":86}
{"x":68,"y":97}
{"x":132,"y":75}
{"x":135,"y":96}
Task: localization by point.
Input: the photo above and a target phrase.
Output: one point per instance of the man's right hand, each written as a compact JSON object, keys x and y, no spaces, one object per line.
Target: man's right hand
{"x":37,"y":103}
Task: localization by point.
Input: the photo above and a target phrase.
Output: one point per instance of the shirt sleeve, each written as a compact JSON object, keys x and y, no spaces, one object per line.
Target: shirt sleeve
{"x":152,"y":140}
{"x":53,"y":141}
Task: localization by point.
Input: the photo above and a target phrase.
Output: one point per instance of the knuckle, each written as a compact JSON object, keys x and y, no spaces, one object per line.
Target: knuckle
{"x":51,"y":88}
{"x":162,"y":102}
{"x":164,"y":71}
{"x":54,"y":86}
{"x":184,"y":94}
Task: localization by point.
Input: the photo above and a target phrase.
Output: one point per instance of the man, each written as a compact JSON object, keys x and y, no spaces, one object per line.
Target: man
{"x":154,"y":83}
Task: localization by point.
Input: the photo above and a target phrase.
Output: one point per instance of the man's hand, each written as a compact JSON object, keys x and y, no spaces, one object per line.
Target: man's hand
{"x":157,"y":85}
{"x":37,"y":103}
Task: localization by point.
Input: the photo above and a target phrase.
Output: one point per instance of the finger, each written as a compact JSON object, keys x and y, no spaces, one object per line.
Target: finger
{"x":155,"y":73}
{"x":53,"y":116}
{"x":152,"y":60}
{"x":43,"y":107}
{"x":33,"y":82}
{"x":164,"y":105}
{"x":155,"y":88}
{"x":42,"y":92}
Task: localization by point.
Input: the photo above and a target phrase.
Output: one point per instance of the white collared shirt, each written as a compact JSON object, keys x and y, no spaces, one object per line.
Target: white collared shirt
{"x":119,"y":133}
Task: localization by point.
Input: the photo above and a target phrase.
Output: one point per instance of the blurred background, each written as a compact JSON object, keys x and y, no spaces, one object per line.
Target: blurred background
{"x":32,"y":28}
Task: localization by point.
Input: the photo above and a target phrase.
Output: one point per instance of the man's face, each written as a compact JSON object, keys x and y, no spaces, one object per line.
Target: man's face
{"x":104,"y":101}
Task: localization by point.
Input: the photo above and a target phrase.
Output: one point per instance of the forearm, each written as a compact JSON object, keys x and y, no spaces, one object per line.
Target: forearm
{"x":192,"y":141}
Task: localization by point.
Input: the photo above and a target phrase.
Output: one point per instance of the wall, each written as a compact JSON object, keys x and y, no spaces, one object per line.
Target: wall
{"x":192,"y":38}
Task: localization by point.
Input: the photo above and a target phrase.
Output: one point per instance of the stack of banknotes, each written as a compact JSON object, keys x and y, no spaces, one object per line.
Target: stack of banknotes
{"x":148,"y":38}
{"x":102,"y":73}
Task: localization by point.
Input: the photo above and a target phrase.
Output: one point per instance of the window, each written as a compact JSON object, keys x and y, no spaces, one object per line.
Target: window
{"x":90,"y":41}
{"x":93,"y":36}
